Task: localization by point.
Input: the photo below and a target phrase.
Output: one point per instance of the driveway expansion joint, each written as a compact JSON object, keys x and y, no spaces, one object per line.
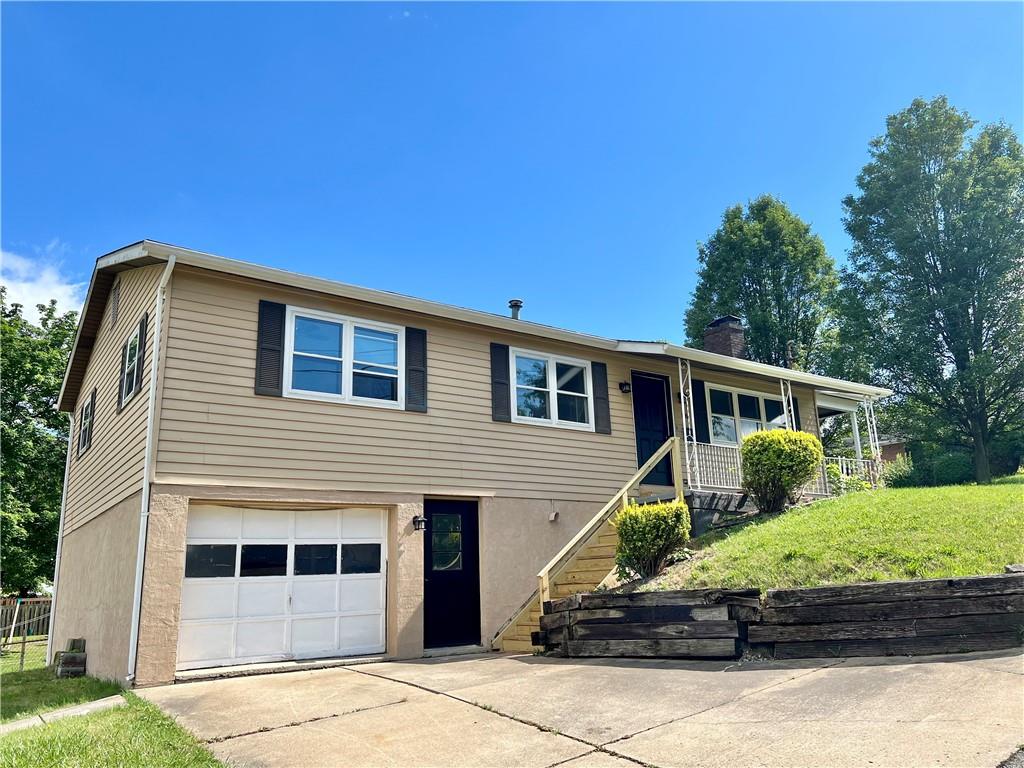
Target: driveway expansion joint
{"x":269,"y":728}
{"x":513,"y":718}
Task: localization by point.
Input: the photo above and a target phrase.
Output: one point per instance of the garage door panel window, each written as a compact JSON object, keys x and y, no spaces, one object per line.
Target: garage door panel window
{"x":360,"y":558}
{"x":316,"y":559}
{"x":210,"y":560}
{"x":264,"y":560}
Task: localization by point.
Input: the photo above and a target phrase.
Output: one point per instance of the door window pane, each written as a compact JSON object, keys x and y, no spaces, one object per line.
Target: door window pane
{"x":446,"y":522}
{"x":316,"y":559}
{"x":446,"y":561}
{"x":209,"y":560}
{"x":721,"y":402}
{"x":317,"y":337}
{"x":264,"y":560}
{"x":360,"y":558}
{"x":316,"y":374}
{"x":750,"y":407}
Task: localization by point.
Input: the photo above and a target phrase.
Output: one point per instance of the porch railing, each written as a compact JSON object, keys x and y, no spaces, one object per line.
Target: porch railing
{"x":721,"y":466}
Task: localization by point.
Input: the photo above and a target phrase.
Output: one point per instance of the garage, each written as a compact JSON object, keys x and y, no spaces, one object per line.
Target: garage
{"x":272,"y":584}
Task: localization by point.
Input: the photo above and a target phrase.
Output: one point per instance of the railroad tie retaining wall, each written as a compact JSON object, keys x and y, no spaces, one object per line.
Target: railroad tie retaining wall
{"x":874,"y":619}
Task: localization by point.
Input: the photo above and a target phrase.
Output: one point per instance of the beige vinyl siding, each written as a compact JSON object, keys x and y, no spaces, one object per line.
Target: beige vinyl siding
{"x":111,"y":470}
{"x":214,"y":430}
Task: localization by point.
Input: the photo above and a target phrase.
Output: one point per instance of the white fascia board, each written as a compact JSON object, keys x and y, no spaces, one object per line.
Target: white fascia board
{"x":385,"y":298}
{"x":699,"y":356}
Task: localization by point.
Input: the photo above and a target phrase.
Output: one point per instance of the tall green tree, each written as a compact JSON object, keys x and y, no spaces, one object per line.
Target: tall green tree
{"x":766,"y":266}
{"x":34,"y":437}
{"x":938,"y":263}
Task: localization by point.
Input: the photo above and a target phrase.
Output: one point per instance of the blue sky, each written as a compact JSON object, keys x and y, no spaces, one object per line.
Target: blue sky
{"x":571,"y":155}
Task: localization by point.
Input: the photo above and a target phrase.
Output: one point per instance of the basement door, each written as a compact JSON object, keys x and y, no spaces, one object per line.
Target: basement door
{"x":451,"y":573}
{"x":272,"y":584}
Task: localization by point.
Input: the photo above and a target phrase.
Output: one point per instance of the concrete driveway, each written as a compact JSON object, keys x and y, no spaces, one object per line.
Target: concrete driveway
{"x":505,"y":710}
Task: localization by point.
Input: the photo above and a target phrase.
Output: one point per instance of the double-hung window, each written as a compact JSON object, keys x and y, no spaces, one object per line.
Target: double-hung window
{"x":87,"y":415}
{"x":733,"y":415}
{"x":130,"y":365}
{"x":551,"y":390}
{"x":343,"y":359}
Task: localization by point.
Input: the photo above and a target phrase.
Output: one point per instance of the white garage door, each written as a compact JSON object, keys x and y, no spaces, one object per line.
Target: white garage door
{"x":266,"y":584}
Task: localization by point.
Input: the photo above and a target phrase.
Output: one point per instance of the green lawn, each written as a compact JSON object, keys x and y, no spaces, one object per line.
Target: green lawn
{"x":136,"y":734}
{"x":38,"y":690}
{"x":899,"y":533}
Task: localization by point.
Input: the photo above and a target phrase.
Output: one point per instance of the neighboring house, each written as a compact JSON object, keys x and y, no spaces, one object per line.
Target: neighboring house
{"x":265,"y":465}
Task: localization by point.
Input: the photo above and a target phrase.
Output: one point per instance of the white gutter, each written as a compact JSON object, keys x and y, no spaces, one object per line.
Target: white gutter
{"x":147,"y":470}
{"x":60,"y":538}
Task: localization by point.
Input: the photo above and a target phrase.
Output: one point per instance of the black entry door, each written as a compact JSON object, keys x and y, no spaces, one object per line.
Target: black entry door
{"x":451,"y":574}
{"x":652,"y":409}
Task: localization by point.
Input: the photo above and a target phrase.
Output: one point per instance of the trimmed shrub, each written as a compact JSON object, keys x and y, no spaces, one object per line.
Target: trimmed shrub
{"x":899,"y":473}
{"x":952,"y":469}
{"x":777,"y":464}
{"x":648,"y":535}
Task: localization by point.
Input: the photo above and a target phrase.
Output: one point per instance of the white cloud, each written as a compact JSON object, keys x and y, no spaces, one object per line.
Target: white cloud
{"x":32,"y":280}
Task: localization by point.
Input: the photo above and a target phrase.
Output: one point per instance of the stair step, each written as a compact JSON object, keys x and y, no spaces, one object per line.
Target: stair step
{"x":522,"y":646}
{"x":597,"y":551}
{"x":584,"y":577}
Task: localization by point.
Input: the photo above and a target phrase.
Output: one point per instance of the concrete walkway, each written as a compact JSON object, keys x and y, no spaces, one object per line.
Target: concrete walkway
{"x":504,"y":710}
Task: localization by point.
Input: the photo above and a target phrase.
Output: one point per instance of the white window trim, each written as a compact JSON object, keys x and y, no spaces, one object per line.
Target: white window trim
{"x":552,"y":390}
{"x":347,"y":350}
{"x":137,"y":337}
{"x":762,"y":396}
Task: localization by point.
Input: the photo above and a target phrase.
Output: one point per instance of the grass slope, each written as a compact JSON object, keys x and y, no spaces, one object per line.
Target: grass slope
{"x":131,"y":736}
{"x":38,"y":690}
{"x":899,"y":533}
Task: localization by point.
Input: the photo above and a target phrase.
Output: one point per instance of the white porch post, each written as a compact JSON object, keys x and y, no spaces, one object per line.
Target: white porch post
{"x":787,"y":404}
{"x":689,"y":423}
{"x":856,"y":434}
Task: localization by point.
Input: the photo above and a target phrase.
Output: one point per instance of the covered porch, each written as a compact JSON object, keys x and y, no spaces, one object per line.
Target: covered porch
{"x":721,"y":399}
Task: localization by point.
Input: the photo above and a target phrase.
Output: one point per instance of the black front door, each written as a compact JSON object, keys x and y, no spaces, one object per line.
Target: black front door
{"x":451,"y":574}
{"x":652,"y":419}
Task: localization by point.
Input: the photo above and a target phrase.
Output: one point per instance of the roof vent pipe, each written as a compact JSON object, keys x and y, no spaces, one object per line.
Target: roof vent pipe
{"x":515,"y":305}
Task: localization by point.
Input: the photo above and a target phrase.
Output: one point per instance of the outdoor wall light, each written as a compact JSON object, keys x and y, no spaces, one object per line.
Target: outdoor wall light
{"x":625,"y":387}
{"x":419,"y":523}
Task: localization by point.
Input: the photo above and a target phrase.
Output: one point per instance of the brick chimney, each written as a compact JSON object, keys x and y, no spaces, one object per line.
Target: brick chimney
{"x":726,"y":336}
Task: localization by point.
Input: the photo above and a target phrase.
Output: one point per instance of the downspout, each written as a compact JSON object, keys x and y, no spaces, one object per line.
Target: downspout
{"x":147,"y":470}
{"x":60,"y":539}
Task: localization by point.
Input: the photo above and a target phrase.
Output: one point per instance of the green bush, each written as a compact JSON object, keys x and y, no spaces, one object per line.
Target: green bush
{"x":777,"y":464}
{"x":840,"y":484}
{"x":648,"y":535}
{"x":899,"y":473}
{"x":952,"y":469}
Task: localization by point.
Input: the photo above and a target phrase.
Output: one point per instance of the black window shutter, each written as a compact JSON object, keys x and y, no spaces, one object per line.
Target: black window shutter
{"x":78,"y":442}
{"x":700,"y":411}
{"x":142,"y":352}
{"x":602,"y":411}
{"x":796,"y":412}
{"x":270,"y":349}
{"x":501,"y":394}
{"x":416,"y":370}
{"x":120,"y":379}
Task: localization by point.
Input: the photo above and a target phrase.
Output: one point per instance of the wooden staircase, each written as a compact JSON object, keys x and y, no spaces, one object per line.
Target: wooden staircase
{"x":584,"y":563}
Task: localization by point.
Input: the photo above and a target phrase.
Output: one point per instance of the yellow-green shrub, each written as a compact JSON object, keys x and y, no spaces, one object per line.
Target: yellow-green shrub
{"x":648,"y":534}
{"x":777,"y":464}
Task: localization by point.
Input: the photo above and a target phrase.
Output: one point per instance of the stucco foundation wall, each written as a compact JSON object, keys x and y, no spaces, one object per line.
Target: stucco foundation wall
{"x":95,"y":588}
{"x":517,"y":539}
